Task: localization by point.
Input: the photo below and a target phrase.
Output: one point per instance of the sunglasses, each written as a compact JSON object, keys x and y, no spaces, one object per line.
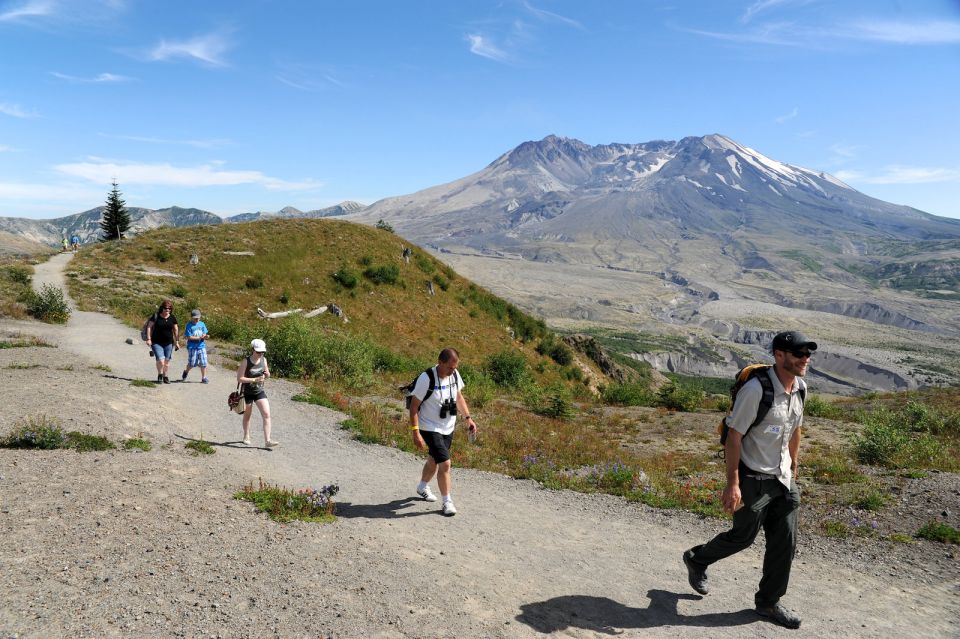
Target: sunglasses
{"x":165,"y":309}
{"x":801,"y":354}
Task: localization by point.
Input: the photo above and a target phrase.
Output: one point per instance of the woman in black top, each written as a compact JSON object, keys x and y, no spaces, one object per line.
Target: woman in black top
{"x":163,"y":337}
{"x":251,"y":373}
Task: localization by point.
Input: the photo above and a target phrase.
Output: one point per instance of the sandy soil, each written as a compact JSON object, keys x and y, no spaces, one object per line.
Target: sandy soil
{"x":125,"y":544}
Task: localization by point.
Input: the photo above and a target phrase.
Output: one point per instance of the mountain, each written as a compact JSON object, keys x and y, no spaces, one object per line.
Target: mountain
{"x":87,"y":224}
{"x":344,"y":208}
{"x":702,"y":238}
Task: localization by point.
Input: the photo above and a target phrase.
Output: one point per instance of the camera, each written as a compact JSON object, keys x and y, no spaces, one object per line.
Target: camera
{"x":448,"y":407}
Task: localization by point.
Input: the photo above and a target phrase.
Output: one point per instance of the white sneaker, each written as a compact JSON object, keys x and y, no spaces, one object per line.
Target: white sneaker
{"x":426,"y":494}
{"x":247,"y":441}
{"x":449,"y":510}
{"x":272,"y":444}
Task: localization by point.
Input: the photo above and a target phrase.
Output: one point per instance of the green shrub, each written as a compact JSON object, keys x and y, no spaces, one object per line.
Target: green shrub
{"x":441,"y":281}
{"x":888,"y":439}
{"x":629,"y":394}
{"x":285,"y":297}
{"x":507,"y":368}
{"x":346,"y":277}
{"x":832,"y":528}
{"x":300,"y":349}
{"x":384,"y":226}
{"x":481,"y":389}
{"x":424,"y":263}
{"x":36,"y":431}
{"x":384,"y":274}
{"x":283,"y":505}
{"x":254,"y":282}
{"x":18,"y":274}
{"x":162,"y":254}
{"x":199,"y":447}
{"x":138,"y":443}
{"x":227,"y":329}
{"x":681,"y":397}
{"x":937,"y":531}
{"x":312,"y":397}
{"x":178,"y":290}
{"x":48,"y":305}
{"x":83,"y":442}
{"x":870,"y":499}
{"x":815,"y":406}
{"x":556,"y":402}
{"x":723,"y":403}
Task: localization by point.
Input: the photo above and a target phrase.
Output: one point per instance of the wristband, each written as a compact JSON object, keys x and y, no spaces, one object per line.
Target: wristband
{"x":414,"y":428}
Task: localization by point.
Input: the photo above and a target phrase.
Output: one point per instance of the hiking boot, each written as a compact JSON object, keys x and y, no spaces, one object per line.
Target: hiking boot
{"x":778,"y":614}
{"x":448,"y":509}
{"x":426,"y":494}
{"x":183,"y":377}
{"x":696,"y":575}
{"x":159,"y":378}
{"x":166,"y":380}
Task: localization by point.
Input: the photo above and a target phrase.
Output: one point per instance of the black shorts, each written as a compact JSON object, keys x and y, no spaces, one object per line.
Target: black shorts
{"x":252,"y":397}
{"x":438,"y":445}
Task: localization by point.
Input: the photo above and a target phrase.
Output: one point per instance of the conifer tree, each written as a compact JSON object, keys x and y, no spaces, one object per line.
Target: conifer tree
{"x":116,"y":219}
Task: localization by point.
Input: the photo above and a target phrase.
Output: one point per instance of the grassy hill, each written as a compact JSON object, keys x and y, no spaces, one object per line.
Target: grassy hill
{"x":279,"y":265}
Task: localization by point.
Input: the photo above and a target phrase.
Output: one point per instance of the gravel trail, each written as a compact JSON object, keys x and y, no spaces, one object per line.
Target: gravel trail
{"x":129,"y":544}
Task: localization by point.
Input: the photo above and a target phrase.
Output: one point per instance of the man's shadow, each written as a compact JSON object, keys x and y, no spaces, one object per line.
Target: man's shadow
{"x":606,"y":616}
{"x":389,"y":510}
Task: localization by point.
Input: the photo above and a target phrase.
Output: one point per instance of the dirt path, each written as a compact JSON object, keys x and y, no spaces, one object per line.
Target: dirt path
{"x":125,"y":544}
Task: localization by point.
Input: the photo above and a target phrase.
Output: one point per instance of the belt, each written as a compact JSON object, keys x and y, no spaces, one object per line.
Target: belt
{"x":760,"y":476}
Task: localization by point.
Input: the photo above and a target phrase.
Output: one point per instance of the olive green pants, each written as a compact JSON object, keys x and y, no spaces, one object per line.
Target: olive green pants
{"x":769,"y":505}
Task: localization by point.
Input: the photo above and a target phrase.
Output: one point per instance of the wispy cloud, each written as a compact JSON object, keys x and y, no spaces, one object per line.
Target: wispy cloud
{"x":792,"y":34}
{"x":549,"y":16}
{"x":787,"y":116}
{"x":312,"y":78}
{"x":843,"y":153}
{"x":102,"y":171}
{"x":482,"y":46}
{"x":14,"y":111}
{"x":100,"y":78}
{"x":899,"y":174}
{"x":211,"y":143}
{"x":29,"y":9}
{"x":930,"y":32}
{"x":6,"y":149}
{"x":57,"y":192}
{"x":209,"y":48}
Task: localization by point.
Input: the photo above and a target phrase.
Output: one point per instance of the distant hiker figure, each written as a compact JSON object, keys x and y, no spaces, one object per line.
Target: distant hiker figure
{"x":196,"y":332}
{"x":435,"y":401}
{"x":65,"y":244}
{"x":407,"y":252}
{"x":252,"y":373}
{"x":761,"y":487}
{"x":75,"y":241}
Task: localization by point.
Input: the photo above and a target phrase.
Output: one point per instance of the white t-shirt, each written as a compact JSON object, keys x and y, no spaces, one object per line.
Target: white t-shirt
{"x":447,"y":388}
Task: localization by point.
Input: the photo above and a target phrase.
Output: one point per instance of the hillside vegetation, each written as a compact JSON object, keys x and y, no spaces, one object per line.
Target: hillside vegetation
{"x":280,"y":265}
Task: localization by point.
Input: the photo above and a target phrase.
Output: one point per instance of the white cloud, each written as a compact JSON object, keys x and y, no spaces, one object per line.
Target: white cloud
{"x":760,"y":6}
{"x":57,"y":192}
{"x":881,"y":32}
{"x":483,"y":47}
{"x":208,"y":48}
{"x":29,"y":9}
{"x":788,"y":116}
{"x":211,"y":143}
{"x":14,"y":111}
{"x":6,"y":149}
{"x":843,"y":153}
{"x":545,"y":15}
{"x":930,"y":32}
{"x":103,"y":172}
{"x":899,"y":174}
{"x":100,"y":78}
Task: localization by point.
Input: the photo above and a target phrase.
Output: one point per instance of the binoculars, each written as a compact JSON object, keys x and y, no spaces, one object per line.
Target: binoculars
{"x":448,"y":408}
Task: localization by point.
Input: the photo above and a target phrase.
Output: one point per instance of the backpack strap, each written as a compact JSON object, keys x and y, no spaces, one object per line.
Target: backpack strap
{"x":766,"y":400}
{"x":433,"y":383}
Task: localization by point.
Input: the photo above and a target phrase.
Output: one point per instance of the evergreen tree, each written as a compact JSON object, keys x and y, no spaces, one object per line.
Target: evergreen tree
{"x":116,"y":219}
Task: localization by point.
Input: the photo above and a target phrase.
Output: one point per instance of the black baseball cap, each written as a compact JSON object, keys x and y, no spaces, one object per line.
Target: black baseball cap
{"x":792,"y":341}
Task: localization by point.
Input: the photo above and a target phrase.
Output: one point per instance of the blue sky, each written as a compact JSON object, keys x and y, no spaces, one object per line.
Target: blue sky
{"x":246,"y":105}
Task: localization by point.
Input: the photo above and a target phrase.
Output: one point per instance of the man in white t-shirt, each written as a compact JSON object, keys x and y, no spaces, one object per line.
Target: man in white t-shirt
{"x":433,"y":417}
